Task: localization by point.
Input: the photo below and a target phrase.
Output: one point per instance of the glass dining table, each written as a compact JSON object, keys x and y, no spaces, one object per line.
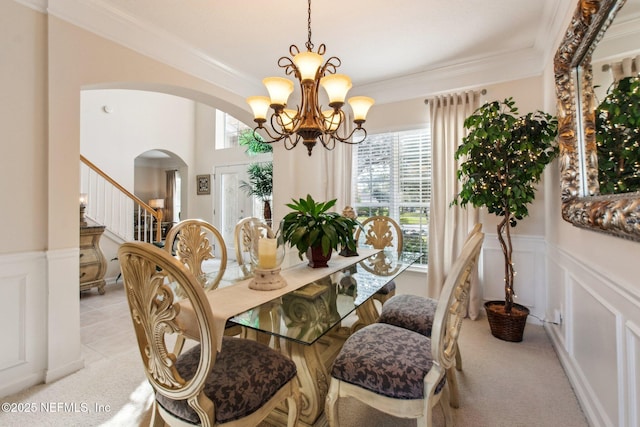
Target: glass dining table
{"x":311,"y":322}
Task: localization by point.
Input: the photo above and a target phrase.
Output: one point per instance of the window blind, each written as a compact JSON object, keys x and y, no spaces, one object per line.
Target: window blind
{"x":393,"y":177}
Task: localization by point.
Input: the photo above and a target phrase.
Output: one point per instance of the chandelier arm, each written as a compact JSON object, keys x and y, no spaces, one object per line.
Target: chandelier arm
{"x":291,"y":144}
{"x":287,"y":64}
{"x":273,"y":139}
{"x":345,"y":139}
{"x":331,"y":66}
{"x":330,"y":144}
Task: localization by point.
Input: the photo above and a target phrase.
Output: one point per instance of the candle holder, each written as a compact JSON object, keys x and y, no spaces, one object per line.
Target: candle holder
{"x":83,"y":207}
{"x":267,"y":256}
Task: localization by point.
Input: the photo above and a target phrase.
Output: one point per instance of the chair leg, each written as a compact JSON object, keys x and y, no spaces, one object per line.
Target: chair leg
{"x":293,"y":403}
{"x":458,"y":358}
{"x":452,"y":380}
{"x":156,"y":419}
{"x":445,"y":404}
{"x":331,"y":403}
{"x":177,"y":348}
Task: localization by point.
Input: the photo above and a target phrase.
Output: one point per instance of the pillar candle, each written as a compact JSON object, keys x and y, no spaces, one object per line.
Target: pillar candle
{"x":267,"y":253}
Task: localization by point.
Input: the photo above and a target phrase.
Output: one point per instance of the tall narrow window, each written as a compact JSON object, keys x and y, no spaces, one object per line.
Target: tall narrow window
{"x":393,"y":177}
{"x":228,"y":128}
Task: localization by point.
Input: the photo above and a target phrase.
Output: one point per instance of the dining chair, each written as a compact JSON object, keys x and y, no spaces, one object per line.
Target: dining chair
{"x":416,"y":313}
{"x":237,"y":386}
{"x":378,"y":232}
{"x":245,"y":231}
{"x":194,"y":242}
{"x":401,"y":372}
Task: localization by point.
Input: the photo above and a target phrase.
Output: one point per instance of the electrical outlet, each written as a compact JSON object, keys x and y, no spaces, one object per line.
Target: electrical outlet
{"x":557,"y":317}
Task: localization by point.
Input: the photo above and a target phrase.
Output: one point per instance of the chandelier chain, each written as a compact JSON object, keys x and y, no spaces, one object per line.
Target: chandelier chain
{"x":309,"y":45}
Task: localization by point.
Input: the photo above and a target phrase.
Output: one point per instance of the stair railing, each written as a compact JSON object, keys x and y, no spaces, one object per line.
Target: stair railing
{"x":111,"y":205}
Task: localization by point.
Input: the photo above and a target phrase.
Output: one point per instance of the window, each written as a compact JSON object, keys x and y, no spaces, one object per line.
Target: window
{"x":228,"y":128}
{"x":393,"y":177}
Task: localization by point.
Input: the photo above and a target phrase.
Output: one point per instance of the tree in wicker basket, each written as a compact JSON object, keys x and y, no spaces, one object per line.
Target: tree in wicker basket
{"x":505,"y":155}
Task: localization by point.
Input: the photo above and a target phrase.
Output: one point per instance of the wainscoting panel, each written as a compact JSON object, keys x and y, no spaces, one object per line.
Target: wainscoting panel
{"x":597,"y":358}
{"x":23,"y":318}
{"x":529,"y":263}
{"x":598,"y":342}
{"x":633,"y":360}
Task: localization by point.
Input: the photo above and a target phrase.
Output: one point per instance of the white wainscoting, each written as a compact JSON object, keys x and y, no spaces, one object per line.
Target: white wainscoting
{"x":529,"y":263}
{"x":40,"y":318}
{"x":23,"y":292}
{"x":598,"y":341}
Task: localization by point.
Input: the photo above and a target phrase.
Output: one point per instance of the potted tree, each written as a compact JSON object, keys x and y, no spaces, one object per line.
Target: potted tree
{"x":314,"y":231}
{"x":260,"y":185}
{"x":505,"y":155}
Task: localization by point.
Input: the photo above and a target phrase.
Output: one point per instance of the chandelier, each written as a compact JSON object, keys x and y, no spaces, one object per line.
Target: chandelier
{"x":309,"y":122}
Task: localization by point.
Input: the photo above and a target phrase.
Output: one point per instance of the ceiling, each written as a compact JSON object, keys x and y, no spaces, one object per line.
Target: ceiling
{"x":392,"y":50}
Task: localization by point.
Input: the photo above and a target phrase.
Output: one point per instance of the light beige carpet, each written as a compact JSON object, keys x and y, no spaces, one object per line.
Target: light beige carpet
{"x":502,"y":384}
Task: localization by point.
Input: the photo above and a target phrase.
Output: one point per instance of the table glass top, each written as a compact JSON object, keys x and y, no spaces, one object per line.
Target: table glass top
{"x":306,"y":314}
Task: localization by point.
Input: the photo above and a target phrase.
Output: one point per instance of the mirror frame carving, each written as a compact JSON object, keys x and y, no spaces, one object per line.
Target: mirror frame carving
{"x":618,"y":214}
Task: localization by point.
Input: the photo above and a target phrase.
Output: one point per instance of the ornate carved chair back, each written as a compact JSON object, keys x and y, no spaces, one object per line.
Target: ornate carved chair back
{"x":380,"y":232}
{"x":194,"y":242}
{"x":246,"y":230}
{"x":452,"y":303}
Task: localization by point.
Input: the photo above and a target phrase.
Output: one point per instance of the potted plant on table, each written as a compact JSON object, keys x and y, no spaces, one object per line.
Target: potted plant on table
{"x":505,"y":155}
{"x":314,"y":231}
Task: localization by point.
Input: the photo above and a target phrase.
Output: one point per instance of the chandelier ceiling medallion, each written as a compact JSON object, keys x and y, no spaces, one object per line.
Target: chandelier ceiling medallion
{"x":309,"y":122}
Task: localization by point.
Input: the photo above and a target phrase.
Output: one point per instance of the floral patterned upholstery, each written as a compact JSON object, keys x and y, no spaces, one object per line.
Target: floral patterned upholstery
{"x":386,"y":360}
{"x":245,"y":375}
{"x":411,"y":312}
{"x":388,"y":288}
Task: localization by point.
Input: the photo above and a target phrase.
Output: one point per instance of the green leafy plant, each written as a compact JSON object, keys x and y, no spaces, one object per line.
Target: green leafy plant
{"x":310,"y":225}
{"x":254,"y":144}
{"x":505,"y":156}
{"x":617,"y":121}
{"x":260,"y":185}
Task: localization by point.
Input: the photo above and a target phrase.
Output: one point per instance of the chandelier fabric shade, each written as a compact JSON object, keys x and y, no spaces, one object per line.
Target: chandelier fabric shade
{"x":309,"y":122}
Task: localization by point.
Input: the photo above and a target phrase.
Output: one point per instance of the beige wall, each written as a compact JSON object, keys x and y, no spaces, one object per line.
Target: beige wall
{"x":23,"y":128}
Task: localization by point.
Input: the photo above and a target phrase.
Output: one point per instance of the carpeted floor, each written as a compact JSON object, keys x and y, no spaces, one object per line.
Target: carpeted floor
{"x":502,"y":384}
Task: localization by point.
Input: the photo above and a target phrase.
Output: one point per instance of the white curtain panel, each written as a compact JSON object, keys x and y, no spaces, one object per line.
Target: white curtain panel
{"x":627,"y":67}
{"x":336,"y":176}
{"x":449,"y":225}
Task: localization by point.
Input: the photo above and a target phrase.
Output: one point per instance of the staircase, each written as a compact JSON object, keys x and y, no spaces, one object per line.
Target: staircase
{"x":121,"y":212}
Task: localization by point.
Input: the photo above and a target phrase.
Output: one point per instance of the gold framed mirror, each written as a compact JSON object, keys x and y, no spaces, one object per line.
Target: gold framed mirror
{"x":582,"y":203}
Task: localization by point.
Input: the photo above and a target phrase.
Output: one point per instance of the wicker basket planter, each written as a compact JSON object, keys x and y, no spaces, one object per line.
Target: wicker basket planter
{"x":507,"y":327}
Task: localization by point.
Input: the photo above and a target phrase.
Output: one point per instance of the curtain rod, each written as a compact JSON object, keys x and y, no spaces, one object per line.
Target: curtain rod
{"x":482,"y":92}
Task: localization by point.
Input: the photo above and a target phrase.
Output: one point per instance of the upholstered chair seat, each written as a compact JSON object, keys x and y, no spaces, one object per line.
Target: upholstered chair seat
{"x":246,"y":375}
{"x":383,"y":365}
{"x":412,"y":312}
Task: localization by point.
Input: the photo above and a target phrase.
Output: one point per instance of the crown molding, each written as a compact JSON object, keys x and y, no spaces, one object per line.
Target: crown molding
{"x":112,"y":24}
{"x":472,"y":74}
{"x":37,"y":5}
